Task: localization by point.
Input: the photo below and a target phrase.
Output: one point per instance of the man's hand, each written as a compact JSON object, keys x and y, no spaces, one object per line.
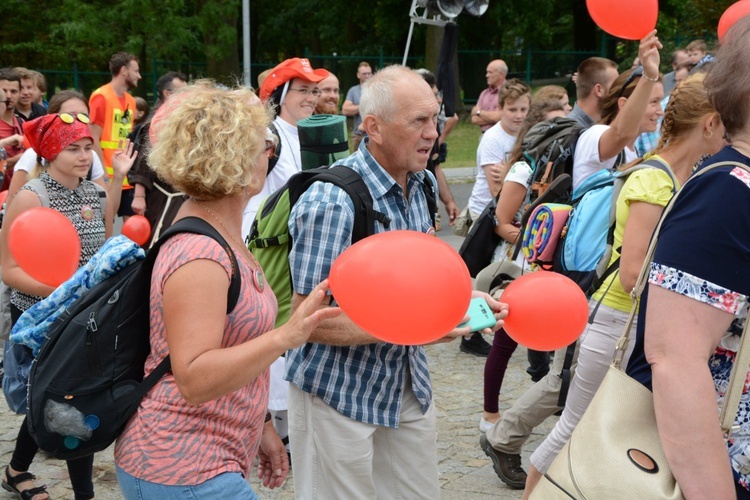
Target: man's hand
{"x":499,"y":310}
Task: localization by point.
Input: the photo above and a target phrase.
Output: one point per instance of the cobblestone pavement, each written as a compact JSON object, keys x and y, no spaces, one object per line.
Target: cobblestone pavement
{"x":465,"y":471}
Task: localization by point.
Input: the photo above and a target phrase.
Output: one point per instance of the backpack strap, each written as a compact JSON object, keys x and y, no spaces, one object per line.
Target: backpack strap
{"x":350,"y":181}
{"x":429,"y":193}
{"x":617,"y":188}
{"x":194,"y":225}
{"x":40,"y":189}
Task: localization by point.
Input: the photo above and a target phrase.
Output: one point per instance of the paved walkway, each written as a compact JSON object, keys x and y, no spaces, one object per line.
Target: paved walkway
{"x":465,"y":471}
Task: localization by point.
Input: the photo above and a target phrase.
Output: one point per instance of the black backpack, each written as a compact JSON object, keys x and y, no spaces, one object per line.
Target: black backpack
{"x":269,"y":238}
{"x":87,"y":379}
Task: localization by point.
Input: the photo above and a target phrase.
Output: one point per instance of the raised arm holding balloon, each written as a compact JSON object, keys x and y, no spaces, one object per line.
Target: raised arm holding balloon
{"x":632,"y":106}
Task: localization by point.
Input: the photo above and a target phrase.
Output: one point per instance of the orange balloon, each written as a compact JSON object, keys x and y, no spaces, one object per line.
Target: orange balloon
{"x":45,"y":244}
{"x":402,"y":287}
{"x":546,"y":310}
{"x":137,"y":228}
{"x":734,"y":13}
{"x":3,"y":196}
{"x":628,"y":19}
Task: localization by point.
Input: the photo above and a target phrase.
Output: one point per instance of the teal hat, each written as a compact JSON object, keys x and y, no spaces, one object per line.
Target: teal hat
{"x":323,"y":139}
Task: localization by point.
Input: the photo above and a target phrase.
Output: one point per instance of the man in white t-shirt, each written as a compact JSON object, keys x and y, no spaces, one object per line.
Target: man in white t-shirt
{"x":514,"y":99}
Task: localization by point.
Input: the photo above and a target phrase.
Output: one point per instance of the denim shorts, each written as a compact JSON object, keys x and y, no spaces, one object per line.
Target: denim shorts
{"x":226,"y":485}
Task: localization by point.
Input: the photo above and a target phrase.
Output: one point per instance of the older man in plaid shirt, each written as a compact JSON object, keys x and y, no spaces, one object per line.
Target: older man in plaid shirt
{"x":361,"y":419}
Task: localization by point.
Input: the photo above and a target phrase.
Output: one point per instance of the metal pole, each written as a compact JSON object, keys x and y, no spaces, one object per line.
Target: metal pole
{"x":408,"y":42}
{"x":246,"y":41}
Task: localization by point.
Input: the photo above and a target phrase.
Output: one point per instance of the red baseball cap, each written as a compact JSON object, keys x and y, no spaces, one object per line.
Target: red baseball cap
{"x":289,"y":70}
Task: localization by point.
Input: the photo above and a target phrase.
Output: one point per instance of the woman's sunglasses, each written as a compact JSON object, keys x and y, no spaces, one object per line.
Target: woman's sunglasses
{"x":69,"y":118}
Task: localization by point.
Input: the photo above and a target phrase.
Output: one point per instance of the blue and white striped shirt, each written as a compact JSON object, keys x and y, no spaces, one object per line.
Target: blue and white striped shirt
{"x":362,"y":382}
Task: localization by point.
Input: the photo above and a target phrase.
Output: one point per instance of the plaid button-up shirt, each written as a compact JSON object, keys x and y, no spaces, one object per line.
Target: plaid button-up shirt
{"x":362,"y":382}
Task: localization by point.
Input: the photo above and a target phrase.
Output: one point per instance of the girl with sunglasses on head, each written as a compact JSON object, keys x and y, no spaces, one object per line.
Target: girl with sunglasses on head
{"x":64,"y":142}
{"x":71,"y":102}
{"x":632,"y":107}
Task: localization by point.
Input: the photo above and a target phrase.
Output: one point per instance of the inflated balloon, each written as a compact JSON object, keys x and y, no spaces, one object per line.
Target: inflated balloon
{"x":137,"y":228}
{"x":546,"y":311}
{"x":402,"y":287}
{"x":3,"y":196}
{"x":734,"y":13}
{"x":628,"y":19}
{"x":45,"y":244}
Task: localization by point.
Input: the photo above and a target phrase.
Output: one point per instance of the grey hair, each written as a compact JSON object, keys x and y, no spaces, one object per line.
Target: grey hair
{"x":377,"y":92}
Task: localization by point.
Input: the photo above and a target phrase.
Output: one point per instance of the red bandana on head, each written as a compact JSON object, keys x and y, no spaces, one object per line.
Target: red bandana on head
{"x":48,"y":135}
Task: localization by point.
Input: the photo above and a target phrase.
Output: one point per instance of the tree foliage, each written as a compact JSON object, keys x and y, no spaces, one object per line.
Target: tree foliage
{"x":57,"y":34}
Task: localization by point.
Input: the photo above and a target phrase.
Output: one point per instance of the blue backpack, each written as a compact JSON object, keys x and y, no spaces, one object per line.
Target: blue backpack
{"x":585,"y":247}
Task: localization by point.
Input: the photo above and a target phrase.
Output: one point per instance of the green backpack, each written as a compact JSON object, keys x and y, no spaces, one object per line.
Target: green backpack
{"x":269,"y":239}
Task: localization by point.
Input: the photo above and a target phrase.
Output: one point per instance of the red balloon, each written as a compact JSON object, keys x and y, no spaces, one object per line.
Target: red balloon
{"x":734,"y":13}
{"x":45,"y":244}
{"x":402,"y":287}
{"x":3,"y":196}
{"x":546,"y":311}
{"x":628,"y":19}
{"x":137,"y":228}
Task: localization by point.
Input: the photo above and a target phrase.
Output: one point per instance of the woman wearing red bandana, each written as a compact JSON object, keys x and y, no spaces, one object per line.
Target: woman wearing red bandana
{"x":64,"y":142}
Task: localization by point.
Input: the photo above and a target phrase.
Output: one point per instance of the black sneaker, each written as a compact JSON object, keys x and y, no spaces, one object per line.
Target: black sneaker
{"x":507,"y":466}
{"x":475,"y":345}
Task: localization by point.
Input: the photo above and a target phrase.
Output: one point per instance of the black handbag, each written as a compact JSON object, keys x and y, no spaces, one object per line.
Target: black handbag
{"x":481,"y":242}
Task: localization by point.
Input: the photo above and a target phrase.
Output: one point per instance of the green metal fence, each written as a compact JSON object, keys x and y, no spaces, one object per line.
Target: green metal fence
{"x":88,"y":81}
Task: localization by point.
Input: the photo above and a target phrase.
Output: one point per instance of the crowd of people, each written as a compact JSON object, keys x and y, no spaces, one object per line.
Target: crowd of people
{"x":349,"y":415}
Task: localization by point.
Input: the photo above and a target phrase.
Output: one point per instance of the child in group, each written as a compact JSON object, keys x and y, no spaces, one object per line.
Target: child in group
{"x":696,"y":50}
{"x":494,"y":149}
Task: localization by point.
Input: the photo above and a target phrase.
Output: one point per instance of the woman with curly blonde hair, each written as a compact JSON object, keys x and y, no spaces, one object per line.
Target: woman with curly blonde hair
{"x":196,"y":433}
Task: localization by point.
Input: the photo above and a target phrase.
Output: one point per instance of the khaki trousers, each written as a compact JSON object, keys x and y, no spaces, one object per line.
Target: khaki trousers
{"x":336,"y":457}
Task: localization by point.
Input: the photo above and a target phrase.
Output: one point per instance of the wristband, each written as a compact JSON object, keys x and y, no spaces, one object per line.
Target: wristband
{"x":652,"y":80}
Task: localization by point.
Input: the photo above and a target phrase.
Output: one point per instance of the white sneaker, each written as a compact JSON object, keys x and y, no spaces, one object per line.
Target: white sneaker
{"x":485,"y":426}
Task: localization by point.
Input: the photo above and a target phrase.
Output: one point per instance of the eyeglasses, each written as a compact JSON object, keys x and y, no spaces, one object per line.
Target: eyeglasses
{"x":306,"y":92}
{"x":270,"y":147}
{"x":637,"y":72}
{"x":70,"y":118}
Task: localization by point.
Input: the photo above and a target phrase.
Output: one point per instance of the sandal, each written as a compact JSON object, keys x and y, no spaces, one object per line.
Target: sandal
{"x":10,"y":482}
